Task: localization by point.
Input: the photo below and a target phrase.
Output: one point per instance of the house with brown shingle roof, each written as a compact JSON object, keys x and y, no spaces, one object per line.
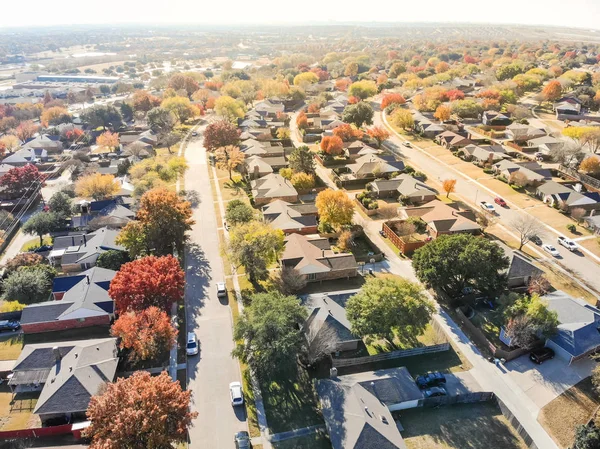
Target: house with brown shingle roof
{"x":444,"y":219}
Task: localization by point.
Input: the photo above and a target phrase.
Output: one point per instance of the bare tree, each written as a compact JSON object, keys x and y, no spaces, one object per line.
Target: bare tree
{"x":519,"y":179}
{"x":538,"y":285}
{"x":136,"y":149}
{"x":388,"y":211}
{"x":321,"y":342}
{"x":569,"y":154}
{"x":288,"y":280}
{"x":527,"y":226}
{"x":578,"y":213}
{"x":485,"y":220}
{"x":521,"y":331}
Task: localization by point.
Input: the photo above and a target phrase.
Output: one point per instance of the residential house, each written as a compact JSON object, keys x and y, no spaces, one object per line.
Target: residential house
{"x":561,"y":196}
{"x":356,"y":149}
{"x":452,"y":140}
{"x":147,"y":138}
{"x":485,"y":154}
{"x":495,"y":119}
{"x":522,"y":133}
{"x":313,"y":258}
{"x":532,"y":172}
{"x":357,"y":408}
{"x":546,"y":144}
{"x":291,"y":218}
{"x":568,"y":106}
{"x":79,"y":301}
{"x":66,"y":373}
{"x":521,"y":268}
{"x":111,"y":213}
{"x":404,"y":186}
{"x":272,"y":187}
{"x":425,"y":127}
{"x":26,"y":156}
{"x":372,"y":165}
{"x":80,"y":252}
{"x":578,"y":334}
{"x":327,"y":325}
{"x":257,"y":166}
{"x":441,"y":218}
{"x":45,"y":142}
{"x":593,"y":223}
{"x":269,"y":108}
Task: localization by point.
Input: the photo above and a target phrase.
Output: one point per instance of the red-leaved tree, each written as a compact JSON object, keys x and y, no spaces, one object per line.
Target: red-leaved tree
{"x":26,"y":130}
{"x":145,"y":282}
{"x":220,"y":134}
{"x":140,"y":411}
{"x":148,"y":333}
{"x":347,"y":132}
{"x":392,"y":99}
{"x":17,"y":181}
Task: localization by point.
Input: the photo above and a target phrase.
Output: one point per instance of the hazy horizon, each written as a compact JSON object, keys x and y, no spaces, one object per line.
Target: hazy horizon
{"x":580,"y":13}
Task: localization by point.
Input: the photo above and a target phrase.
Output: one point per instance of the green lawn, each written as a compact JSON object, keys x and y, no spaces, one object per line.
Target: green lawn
{"x":461,"y":426}
{"x":430,"y":337}
{"x":291,"y":404}
{"x":10,"y":348}
{"x":315,"y":441}
{"x":35,"y":243}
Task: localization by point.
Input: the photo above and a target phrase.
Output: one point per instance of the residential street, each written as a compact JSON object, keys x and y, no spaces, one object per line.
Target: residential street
{"x":209,"y":373}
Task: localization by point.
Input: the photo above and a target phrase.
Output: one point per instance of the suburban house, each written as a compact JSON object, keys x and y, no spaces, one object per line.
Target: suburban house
{"x":577,"y":335}
{"x":268,"y":108}
{"x":258,"y":166}
{"x":80,"y":252}
{"x":451,"y":140}
{"x":372,"y":165}
{"x":520,"y":269}
{"x":567,"y":106}
{"x":26,"y":156}
{"x":566,"y":198}
{"x":487,"y":154}
{"x":67,"y":374}
{"x":441,"y":218}
{"x":110,"y":213}
{"x":327,"y":327}
{"x":425,"y":127}
{"x":357,"y":408}
{"x":50,"y":144}
{"x":313,"y":258}
{"x":291,"y":218}
{"x":405,"y":186}
{"x":593,"y":223}
{"x":147,"y":138}
{"x":357,"y":149}
{"x":272,"y":187}
{"x":495,"y":119}
{"x":79,"y":301}
{"x":546,"y":144}
{"x":532,"y":172}
{"x":520,"y":133}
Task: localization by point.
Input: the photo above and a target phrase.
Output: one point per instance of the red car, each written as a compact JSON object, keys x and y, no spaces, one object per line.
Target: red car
{"x":499,"y":201}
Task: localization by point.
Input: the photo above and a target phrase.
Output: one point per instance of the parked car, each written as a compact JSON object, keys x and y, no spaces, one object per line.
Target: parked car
{"x":434,"y":392}
{"x":488,"y":207}
{"x":221,"y":289}
{"x":500,"y":202}
{"x":406,"y":144}
{"x":242,"y":440}
{"x":540,"y":355}
{"x":194,"y":133}
{"x":9,"y":325}
{"x":550,"y":249}
{"x":567,"y":243}
{"x":430,"y":380}
{"x":192,"y":344}
{"x":381,"y":233}
{"x":237,"y":396}
{"x":535,"y":239}
{"x":43,"y":249}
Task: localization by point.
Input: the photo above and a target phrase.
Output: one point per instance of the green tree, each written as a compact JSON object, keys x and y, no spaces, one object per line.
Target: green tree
{"x":229,"y":108}
{"x":302,"y":160}
{"x":103,"y":116}
{"x":42,"y":223}
{"x":112,"y":259}
{"x":453,"y":262}
{"x":529,"y":319}
{"x":386,"y":307}
{"x":255,"y":245}
{"x":587,"y":437}
{"x":363,"y":89}
{"x":28,"y":285}
{"x":160,"y":120}
{"x":358,"y":114}
{"x":268,"y":336}
{"x":60,"y":204}
{"x":238,"y":212}
{"x":180,"y":107}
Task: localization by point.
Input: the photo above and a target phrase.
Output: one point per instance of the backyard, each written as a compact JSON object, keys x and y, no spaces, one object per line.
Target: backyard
{"x":315,"y":441}
{"x":17,"y":414}
{"x":473,"y":426}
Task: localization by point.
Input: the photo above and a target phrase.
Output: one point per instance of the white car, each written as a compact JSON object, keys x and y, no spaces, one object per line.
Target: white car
{"x":406,"y":144}
{"x":221,"y":290}
{"x":237,"y":396}
{"x":488,"y":207}
{"x":550,"y":249}
{"x":192,"y":344}
{"x":567,"y":243}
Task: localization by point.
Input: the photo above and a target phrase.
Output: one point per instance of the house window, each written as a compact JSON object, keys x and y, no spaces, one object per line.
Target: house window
{"x":312,"y":276}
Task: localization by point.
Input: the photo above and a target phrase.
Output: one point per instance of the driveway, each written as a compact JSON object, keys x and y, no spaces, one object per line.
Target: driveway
{"x":543,"y":383}
{"x":209,"y":373}
{"x":461,"y":383}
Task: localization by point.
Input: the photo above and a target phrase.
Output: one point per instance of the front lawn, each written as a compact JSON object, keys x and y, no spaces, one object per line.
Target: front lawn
{"x":35,"y":243}
{"x":574,"y":407}
{"x":430,"y":336}
{"x":10,"y":348}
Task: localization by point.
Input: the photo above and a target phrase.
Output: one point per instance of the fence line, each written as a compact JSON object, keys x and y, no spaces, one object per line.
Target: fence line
{"x":467,"y":398}
{"x":595,"y":183}
{"x":516,"y":424}
{"x":338,"y":363}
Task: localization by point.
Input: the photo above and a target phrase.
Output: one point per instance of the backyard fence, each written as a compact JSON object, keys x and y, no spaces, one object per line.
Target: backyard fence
{"x":516,"y":424}
{"x":339,"y":363}
{"x":467,"y":398}
{"x":585,"y":179}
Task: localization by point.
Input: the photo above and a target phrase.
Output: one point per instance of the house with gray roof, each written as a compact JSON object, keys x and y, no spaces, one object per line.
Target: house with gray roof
{"x":112,"y":213}
{"x":546,"y":144}
{"x":50,"y":144}
{"x":272,"y":187}
{"x":67,"y":374}
{"x":403,"y":185}
{"x":566,"y":198}
{"x":485,"y":154}
{"x":25,"y":156}
{"x":373,"y":165}
{"x":520,"y":133}
{"x":579,"y":329}
{"x":532,"y":173}
{"x":80,"y":252}
{"x":521,"y":268}
{"x":78,"y":301}
{"x":291,"y":218}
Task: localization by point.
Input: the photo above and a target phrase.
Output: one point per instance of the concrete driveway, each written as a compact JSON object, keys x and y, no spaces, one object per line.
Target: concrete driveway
{"x":545,"y":382}
{"x":461,"y":383}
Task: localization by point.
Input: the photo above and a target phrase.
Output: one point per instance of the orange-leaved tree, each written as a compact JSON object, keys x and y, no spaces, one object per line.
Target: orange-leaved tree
{"x":149,"y":281}
{"x":392,"y":99}
{"x":332,"y":145}
{"x":449,"y":185}
{"x":229,"y":158}
{"x":347,"y":132}
{"x":140,"y":411}
{"x":552,"y":91}
{"x":108,"y":140}
{"x":442,"y":113}
{"x":379,"y":133}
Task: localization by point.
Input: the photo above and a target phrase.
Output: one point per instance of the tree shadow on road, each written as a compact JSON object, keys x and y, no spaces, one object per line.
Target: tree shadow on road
{"x":191,"y":196}
{"x":198,"y":277}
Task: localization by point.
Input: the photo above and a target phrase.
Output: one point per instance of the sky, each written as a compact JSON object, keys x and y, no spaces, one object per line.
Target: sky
{"x":572,"y":13}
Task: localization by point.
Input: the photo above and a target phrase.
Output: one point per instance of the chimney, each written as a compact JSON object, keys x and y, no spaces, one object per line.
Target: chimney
{"x":84,"y":239}
{"x":56,"y":353}
{"x":87,"y":278}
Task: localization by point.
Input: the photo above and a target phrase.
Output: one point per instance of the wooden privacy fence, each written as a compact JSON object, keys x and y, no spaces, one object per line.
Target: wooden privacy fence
{"x":339,"y":363}
{"x":467,"y":398}
{"x":585,"y":179}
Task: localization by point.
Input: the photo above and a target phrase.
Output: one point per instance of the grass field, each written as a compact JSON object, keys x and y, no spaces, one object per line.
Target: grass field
{"x":463,"y":426}
{"x":17,"y":414}
{"x":571,"y":409}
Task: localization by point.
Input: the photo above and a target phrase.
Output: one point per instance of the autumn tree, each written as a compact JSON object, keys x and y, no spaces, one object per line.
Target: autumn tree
{"x":183,"y":82}
{"x":220,"y":134}
{"x":302,"y":181}
{"x":335,"y":209}
{"x":443,"y":113}
{"x":55,"y":116}
{"x":140,"y":411}
{"x":552,"y":91}
{"x":180,"y":107}
{"x":26,"y":130}
{"x":538,"y":285}
{"x":332,"y":145}
{"x":21,"y":180}
{"x":347,"y":133}
{"x":97,"y":186}
{"x":402,"y":118}
{"x":147,"y":333}
{"x":302,"y":120}
{"x":255,"y":245}
{"x":302,"y":160}
{"x":590,"y":166}
{"x":9,"y":143}
{"x":342,"y":84}
{"x":229,"y":158}
{"x":108,"y":140}
{"x":143,"y":101}
{"x":390,"y":99}
{"x":303,"y":79}
{"x":449,"y":186}
{"x":442,"y":67}
{"x":288,"y":280}
{"x":163,"y":218}
{"x":529,"y":319}
{"x":229,"y":108}
{"x":23,"y":260}
{"x":149,"y":281}
{"x":379,"y":133}
{"x":363,"y":89}
{"x":283,"y":133}
{"x":237,"y":212}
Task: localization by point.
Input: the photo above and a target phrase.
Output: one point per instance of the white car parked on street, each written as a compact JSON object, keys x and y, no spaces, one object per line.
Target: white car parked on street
{"x":550,"y":249}
{"x":567,"y":243}
{"x":237,"y":396}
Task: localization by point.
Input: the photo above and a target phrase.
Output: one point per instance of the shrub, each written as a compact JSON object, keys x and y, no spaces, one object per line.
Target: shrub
{"x":408,"y":169}
{"x":421,"y":175}
{"x":571,"y":227}
{"x":502,"y":178}
{"x":517,"y":188}
{"x":488,"y":171}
